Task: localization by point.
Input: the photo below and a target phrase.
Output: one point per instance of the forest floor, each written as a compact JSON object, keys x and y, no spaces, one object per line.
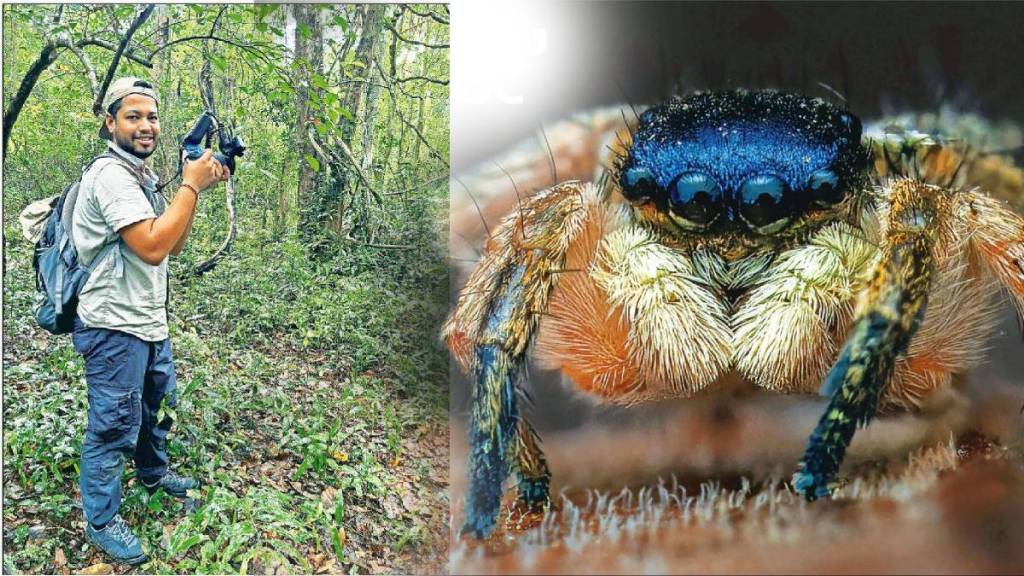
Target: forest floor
{"x":312,"y":405}
{"x":702,"y":487}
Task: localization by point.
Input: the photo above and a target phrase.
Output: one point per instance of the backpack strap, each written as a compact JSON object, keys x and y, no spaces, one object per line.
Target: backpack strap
{"x":67,"y":215}
{"x":107,"y":249}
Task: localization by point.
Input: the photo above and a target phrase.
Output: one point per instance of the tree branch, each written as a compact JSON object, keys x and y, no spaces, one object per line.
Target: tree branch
{"x":423,"y":78}
{"x":90,"y":70}
{"x":129,"y":54}
{"x":410,"y":41}
{"x":351,"y":159}
{"x":428,"y":14}
{"x":398,"y":111}
{"x":97,"y":107}
{"x":207,"y":37}
{"x":418,"y":186}
{"x":320,"y":151}
{"x":46,"y":57}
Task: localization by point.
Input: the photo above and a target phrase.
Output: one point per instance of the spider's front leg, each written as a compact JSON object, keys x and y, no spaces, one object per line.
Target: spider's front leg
{"x":887,"y":315}
{"x":490,"y":331}
{"x":497,"y":430}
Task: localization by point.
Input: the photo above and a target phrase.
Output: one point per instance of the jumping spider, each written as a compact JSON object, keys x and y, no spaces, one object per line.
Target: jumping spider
{"x":739,"y":233}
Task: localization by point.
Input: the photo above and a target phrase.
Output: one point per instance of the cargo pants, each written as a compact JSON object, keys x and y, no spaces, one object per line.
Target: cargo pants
{"x":127,"y":379}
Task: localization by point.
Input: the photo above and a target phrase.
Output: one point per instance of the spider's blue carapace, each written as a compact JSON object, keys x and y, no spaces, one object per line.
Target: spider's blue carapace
{"x":762,"y":157}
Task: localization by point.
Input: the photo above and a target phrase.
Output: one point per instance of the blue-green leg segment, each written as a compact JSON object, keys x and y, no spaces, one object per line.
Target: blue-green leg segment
{"x":896,"y":301}
{"x":491,"y":436}
{"x":500,"y":440}
{"x":854,"y":384}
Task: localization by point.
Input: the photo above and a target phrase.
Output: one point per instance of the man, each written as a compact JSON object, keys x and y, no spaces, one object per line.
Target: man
{"x":121,"y":329}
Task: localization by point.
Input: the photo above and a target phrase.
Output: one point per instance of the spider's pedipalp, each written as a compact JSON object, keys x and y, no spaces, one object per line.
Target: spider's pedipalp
{"x":787,"y":330}
{"x":679,"y":329}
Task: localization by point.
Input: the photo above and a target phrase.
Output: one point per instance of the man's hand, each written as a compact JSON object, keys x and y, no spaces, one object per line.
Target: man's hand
{"x":203,"y":172}
{"x":153,"y":239}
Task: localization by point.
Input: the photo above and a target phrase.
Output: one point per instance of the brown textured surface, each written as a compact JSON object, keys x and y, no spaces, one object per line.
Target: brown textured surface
{"x":918,"y":499}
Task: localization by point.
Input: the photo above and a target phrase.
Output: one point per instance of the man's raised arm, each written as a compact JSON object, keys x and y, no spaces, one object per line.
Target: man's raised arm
{"x":154,"y":238}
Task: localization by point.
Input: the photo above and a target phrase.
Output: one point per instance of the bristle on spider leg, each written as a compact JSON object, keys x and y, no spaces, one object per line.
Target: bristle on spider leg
{"x":832,"y":91}
{"x":551,"y":157}
{"x":519,"y":199}
{"x":628,"y":101}
{"x":844,"y":67}
{"x":475,"y":203}
{"x":629,"y":129}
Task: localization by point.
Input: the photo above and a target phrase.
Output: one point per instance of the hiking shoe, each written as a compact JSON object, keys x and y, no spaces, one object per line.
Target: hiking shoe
{"x":117,"y":540}
{"x":172,"y":483}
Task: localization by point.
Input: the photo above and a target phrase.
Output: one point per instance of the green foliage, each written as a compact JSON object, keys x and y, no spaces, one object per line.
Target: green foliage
{"x":306,"y":372}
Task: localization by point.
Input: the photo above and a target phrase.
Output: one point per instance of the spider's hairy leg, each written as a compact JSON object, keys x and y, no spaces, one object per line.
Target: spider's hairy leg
{"x":887,"y":316}
{"x":495,"y":413}
{"x":534,"y":478}
{"x":997,"y":241}
{"x":489,"y":332}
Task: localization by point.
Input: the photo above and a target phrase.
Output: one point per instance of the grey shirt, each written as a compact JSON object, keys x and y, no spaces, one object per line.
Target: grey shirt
{"x":123,"y":292}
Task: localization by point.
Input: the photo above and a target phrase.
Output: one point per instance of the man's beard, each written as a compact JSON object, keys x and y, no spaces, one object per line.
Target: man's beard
{"x":128,"y":145}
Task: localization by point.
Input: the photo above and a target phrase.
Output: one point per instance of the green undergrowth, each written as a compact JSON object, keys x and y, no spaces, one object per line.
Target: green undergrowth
{"x":312,"y":393}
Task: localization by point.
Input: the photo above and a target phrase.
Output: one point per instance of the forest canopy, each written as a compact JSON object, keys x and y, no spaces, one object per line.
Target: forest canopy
{"x":345,"y":107}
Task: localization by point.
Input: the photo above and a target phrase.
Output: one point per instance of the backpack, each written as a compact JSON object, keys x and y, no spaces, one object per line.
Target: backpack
{"x":60,"y":275}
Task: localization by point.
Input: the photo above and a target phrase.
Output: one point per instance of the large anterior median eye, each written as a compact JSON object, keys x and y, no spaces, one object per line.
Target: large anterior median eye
{"x":638,"y":184}
{"x":824,"y":187}
{"x":765,"y":203}
{"x":695,"y":200}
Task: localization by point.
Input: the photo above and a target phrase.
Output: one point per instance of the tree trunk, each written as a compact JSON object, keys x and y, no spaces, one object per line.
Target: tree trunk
{"x":161,"y":69}
{"x":309,"y":60}
{"x":377,"y":55}
{"x":421,"y":116}
{"x":46,"y":57}
{"x":420,"y":119}
{"x":372,"y":15}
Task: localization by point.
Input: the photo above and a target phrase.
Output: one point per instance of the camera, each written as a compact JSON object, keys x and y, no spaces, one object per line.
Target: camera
{"x":229,"y":145}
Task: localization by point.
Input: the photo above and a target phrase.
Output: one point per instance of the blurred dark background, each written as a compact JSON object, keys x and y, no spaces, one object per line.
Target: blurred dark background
{"x":883,"y":58}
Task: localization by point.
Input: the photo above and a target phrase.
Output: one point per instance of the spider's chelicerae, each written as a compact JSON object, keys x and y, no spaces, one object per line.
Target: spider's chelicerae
{"x":747,"y":234}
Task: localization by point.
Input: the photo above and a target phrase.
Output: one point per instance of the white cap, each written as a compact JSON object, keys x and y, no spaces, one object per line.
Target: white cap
{"x":120,"y":88}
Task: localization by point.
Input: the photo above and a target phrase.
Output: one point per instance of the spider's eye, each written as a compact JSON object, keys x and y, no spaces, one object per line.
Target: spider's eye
{"x":638,"y":183}
{"x":824,"y":187}
{"x":695,"y":200}
{"x":765,"y":203}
